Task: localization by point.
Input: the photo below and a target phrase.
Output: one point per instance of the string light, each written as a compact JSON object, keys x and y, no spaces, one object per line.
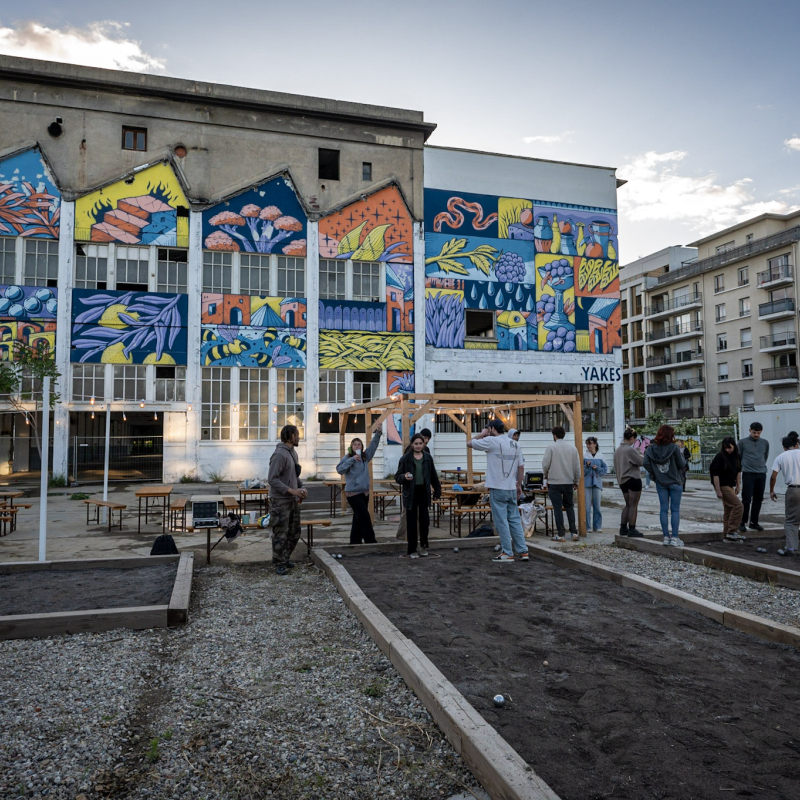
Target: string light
{"x":235,"y":407}
{"x":215,"y":419}
{"x":316,"y":408}
{"x":330,"y":418}
{"x":28,"y":422}
{"x":141,"y":405}
{"x":190,"y":407}
{"x":91,"y":401}
{"x":124,"y":417}
{"x":155,"y":416}
{"x":92,"y":414}
{"x":274,"y":409}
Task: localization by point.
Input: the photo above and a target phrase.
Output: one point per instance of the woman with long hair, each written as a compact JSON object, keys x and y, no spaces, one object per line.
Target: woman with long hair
{"x":354,"y":467}
{"x":627,"y":468}
{"x":594,"y":467}
{"x":726,"y":477}
{"x":416,"y":473}
{"x":664,"y":463}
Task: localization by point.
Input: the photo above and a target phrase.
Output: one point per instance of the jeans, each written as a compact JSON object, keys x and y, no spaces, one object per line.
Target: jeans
{"x":419,"y":511}
{"x":791,"y":523}
{"x":593,"y":495}
{"x":669,"y":498}
{"x":506,"y":521}
{"x":753,"y":484}
{"x":361,"y":530}
{"x":560,"y":495}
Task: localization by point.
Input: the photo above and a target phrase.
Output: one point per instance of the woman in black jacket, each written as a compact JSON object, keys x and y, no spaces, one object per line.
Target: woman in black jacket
{"x":416,"y":473}
{"x":726,"y":477}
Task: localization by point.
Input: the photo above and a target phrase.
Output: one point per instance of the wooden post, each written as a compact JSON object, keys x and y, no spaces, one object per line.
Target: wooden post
{"x":367,"y":437}
{"x":468,"y":423}
{"x":343,"y":415}
{"x":404,"y":424}
{"x":577,"y":425}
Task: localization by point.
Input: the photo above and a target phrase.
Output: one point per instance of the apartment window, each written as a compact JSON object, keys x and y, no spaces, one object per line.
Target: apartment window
{"x":720,"y":312}
{"x":129,"y":382}
{"x":253,"y":403}
{"x":637,"y":300}
{"x":722,"y":342}
{"x":638,"y":356}
{"x":366,"y":386}
{"x":479,"y":324}
{"x":747,"y":368}
{"x":624,"y":308}
{"x":8,"y":260}
{"x":172,"y":269}
{"x":328,"y":165}
{"x":776,"y":263}
{"x":638,"y":381}
{"x":332,"y":279}
{"x":215,"y":417}
{"x":784,"y":360}
{"x":637,"y":331}
{"x":88,"y":381}
{"x":366,"y":171}
{"x":254,"y":274}
{"x":748,"y":397}
{"x":367,"y":281}
{"x":744,"y":276}
{"x":41,"y":263}
{"x":746,"y":337}
{"x":722,"y":371}
{"x":724,"y":403}
{"x":290,"y":399}
{"x":332,"y":386}
{"x":625,"y":360}
{"x":133,"y":265}
{"x":134,"y":138}
{"x":723,"y":248}
{"x":719,"y":283}
{"x":170,"y":384}
{"x":291,"y":277}
{"x":623,"y":332}
{"x":217,"y":268}
{"x":91,"y":266}
{"x":744,"y":307}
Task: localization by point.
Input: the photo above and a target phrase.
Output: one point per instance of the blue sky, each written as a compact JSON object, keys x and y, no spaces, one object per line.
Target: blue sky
{"x":696,"y":102}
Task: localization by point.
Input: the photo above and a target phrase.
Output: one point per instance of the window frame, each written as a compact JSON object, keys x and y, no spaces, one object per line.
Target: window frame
{"x":176,"y":382}
{"x":136,"y":132}
{"x":129,"y":375}
{"x":328,"y":164}
{"x":167,"y":286}
{"x":50,"y":248}
{"x":215,"y":404}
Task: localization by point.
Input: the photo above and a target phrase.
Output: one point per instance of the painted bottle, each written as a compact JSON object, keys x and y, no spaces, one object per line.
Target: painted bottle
{"x":542,"y":235}
{"x":581,"y":240}
{"x":556,"y":247}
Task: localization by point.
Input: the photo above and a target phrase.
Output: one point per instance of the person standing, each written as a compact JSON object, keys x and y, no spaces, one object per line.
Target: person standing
{"x":664,"y":463}
{"x":788,"y":463}
{"x":726,"y":473}
{"x":402,"y":525}
{"x":754,"y":452}
{"x":416,"y":473}
{"x":513,"y":433}
{"x":286,"y":492}
{"x":687,"y":456}
{"x":594,"y":467}
{"x":502,"y":475}
{"x":562,"y":471}
{"x":354,"y":467}
{"x":627,"y":467}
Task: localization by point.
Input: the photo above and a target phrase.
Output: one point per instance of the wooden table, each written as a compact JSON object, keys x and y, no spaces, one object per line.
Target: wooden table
{"x":258,"y":496}
{"x":160,"y":499}
{"x":337,"y":487}
{"x":456,"y":474}
{"x":456,"y":507}
{"x":112,"y":507}
{"x":11,"y":496}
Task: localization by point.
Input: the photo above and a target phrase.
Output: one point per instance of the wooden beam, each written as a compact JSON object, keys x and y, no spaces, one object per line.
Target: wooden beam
{"x":577,"y":426}
{"x":367,"y":437}
{"x":457,"y":421}
{"x":405,"y":427}
{"x":568,"y":413}
{"x":423,"y":411}
{"x":468,"y":431}
{"x":343,"y":415}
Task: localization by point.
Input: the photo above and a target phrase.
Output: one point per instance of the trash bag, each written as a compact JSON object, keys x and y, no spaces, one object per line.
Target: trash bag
{"x":482,"y":530}
{"x":164,"y":545}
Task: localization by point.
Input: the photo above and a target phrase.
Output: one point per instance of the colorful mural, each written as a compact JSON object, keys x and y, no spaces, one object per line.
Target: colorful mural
{"x":378,"y":228}
{"x":254,"y":310}
{"x":398,"y":383}
{"x":28,"y":316}
{"x":30,"y":203}
{"x":148,"y":207}
{"x":351,"y":315}
{"x":258,"y":220}
{"x":117,"y":327}
{"x":379,"y":350}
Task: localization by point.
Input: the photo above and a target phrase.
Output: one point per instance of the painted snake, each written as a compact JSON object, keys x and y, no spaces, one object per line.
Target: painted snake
{"x":455,"y":219}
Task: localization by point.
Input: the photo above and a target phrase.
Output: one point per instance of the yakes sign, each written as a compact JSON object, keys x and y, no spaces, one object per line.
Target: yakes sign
{"x":602,"y":374}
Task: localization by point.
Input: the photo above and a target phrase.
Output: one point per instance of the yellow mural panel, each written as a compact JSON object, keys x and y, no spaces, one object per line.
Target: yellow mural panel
{"x":366,"y":350}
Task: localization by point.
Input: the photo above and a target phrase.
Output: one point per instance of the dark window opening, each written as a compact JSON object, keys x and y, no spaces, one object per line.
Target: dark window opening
{"x":480,"y":323}
{"x":328,"y":165}
{"x":366,"y":171}
{"x":178,"y":256}
{"x":130,"y":287}
{"x":329,"y":423}
{"x":166,"y":373}
{"x":134,"y":138}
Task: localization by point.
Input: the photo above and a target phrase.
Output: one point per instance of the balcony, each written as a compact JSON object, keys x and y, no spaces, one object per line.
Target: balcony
{"x":776,"y":342}
{"x":724,"y":411}
{"x":781,"y":275}
{"x":670,"y":359}
{"x":779,"y":375}
{"x":677,"y":304}
{"x":675,"y":331}
{"x":776,"y":309}
{"x":677,"y":386}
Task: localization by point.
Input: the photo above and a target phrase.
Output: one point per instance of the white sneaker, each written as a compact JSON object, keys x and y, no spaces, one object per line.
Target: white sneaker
{"x":666,"y":540}
{"x":675,"y":542}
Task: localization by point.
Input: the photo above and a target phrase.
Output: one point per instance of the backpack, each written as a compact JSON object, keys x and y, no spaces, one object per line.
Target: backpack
{"x":482,"y":530}
{"x":164,"y":545}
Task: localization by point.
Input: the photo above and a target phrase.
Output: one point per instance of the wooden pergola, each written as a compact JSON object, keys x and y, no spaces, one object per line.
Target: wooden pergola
{"x":461,"y":408}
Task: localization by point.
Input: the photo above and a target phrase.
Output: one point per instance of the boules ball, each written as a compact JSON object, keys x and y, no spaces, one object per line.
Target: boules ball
{"x":546,"y":663}
{"x":499,"y":700}
{"x":497,"y":548}
{"x":455,"y":549}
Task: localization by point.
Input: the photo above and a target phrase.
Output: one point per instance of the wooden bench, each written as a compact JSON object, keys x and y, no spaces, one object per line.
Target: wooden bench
{"x":474,"y":514}
{"x":177,"y":514}
{"x":10,"y":514}
{"x":112,"y":507}
{"x":381,"y":498}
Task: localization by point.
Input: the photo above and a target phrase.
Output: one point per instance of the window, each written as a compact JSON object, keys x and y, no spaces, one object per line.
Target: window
{"x":366,"y":386}
{"x":719,"y":283}
{"x":624,"y":308}
{"x":747,"y":368}
{"x":328,"y":165}
{"x":332,"y":386}
{"x":623,"y":332}
{"x":291,"y":277}
{"x":723,"y":248}
{"x":134,"y":138}
{"x":637,"y":300}
{"x":129,"y":382}
{"x":638,"y":356}
{"x":170,"y":384}
{"x":41,"y":263}
{"x":722,"y":371}
{"x":254,"y":274}
{"x":785,"y":360}
{"x":215,"y":416}
{"x":725,"y":399}
{"x":91,"y":266}
{"x":749,"y":237}
{"x":625,"y":360}
{"x":778,"y":294}
{"x":8,"y":260}
{"x":366,"y":171}
{"x":217,"y":268}
{"x":253,"y":403}
{"x":776,"y":263}
{"x":290,"y":399}
{"x":133,"y":265}
{"x":479,"y":323}
{"x":720,"y":312}
{"x":722,"y":342}
{"x":748,"y":397}
{"x":638,"y":381}
{"x":744,"y":307}
{"x":171,"y":273}
{"x":367,"y":281}
{"x":637,"y":331}
{"x":332,"y":279}
{"x":744,"y":276}
{"x":746,"y":337}
{"x":88,"y":381}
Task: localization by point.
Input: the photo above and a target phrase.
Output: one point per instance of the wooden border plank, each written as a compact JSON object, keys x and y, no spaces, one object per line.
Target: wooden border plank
{"x":26,"y":626}
{"x":8,"y":567}
{"x":178,"y":613}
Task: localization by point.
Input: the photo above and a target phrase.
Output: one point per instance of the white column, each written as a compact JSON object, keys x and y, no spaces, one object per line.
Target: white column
{"x":619,"y":402}
{"x":44,"y":476}
{"x":66,"y":259}
{"x":193,"y":331}
{"x":420,"y":376}
{"x":311,"y":392}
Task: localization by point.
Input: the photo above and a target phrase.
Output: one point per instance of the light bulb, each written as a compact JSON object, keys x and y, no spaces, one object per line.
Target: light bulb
{"x":316,"y":408}
{"x":330,"y":418}
{"x":274,"y":409}
{"x":235,"y":408}
{"x":245,"y":423}
{"x":215,"y":420}
{"x":190,"y":407}
{"x":124,"y":417}
{"x":58,"y":422}
{"x":141,"y":405}
{"x":353,"y":402}
{"x":28,"y":422}
{"x":91,"y":401}
{"x":155,"y":416}
{"x":92,"y":414}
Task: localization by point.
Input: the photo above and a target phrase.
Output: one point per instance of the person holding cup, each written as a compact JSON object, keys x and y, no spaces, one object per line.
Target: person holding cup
{"x":354,"y":467}
{"x":416,"y":474}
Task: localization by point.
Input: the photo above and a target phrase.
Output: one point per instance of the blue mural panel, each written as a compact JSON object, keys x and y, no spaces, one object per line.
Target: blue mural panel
{"x":460,"y":212}
{"x":351,"y":315}
{"x":492,"y":296}
{"x":27,"y":319}
{"x":30,"y":203}
{"x":472,"y":258}
{"x":251,"y":346}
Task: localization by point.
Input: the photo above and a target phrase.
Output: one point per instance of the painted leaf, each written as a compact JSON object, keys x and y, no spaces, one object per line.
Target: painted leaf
{"x":373,"y":246}
{"x":451,"y":265}
{"x":483,"y":256}
{"x":453,"y":246}
{"x":351,"y":240}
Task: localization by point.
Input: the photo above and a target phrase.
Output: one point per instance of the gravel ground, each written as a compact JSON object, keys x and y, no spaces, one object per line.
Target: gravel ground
{"x":742,"y":594}
{"x":251,"y":699}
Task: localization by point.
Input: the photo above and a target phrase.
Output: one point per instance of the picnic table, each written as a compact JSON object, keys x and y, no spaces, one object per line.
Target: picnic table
{"x":337,"y":487}
{"x":10,"y":495}
{"x":258,"y":496}
{"x":159,"y":495}
{"x":111,"y":506}
{"x":457,"y":474}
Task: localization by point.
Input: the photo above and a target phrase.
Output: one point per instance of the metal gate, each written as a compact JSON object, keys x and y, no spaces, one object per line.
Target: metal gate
{"x":131,"y":458}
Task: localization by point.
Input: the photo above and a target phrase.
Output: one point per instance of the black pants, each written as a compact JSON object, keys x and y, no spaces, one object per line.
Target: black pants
{"x":753,"y":484}
{"x":361,"y":530}
{"x":418,"y":511}
{"x":561,"y":495}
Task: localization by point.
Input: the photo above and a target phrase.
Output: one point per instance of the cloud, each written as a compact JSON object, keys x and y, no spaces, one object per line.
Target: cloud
{"x":550,"y":139}
{"x":793,"y":143}
{"x":101,"y":44}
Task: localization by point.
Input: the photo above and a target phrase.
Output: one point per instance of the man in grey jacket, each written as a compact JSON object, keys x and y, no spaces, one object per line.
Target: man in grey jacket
{"x":754,"y":452}
{"x":286,"y":492}
{"x":561,"y":465}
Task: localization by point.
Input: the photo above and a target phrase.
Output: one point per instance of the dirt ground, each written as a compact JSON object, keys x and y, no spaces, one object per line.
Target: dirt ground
{"x":637,"y":699}
{"x":747,"y":549}
{"x":46,"y":591}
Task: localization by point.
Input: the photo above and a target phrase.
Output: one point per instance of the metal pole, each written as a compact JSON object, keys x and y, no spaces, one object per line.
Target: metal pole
{"x":45,"y":464}
{"x":105,"y":464}
{"x":75,"y":459}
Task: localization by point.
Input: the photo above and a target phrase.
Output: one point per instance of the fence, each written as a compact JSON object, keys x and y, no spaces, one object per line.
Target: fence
{"x":131,"y":458}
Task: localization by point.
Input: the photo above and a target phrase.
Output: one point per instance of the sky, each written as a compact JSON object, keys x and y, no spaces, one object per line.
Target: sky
{"x":695,"y":103}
